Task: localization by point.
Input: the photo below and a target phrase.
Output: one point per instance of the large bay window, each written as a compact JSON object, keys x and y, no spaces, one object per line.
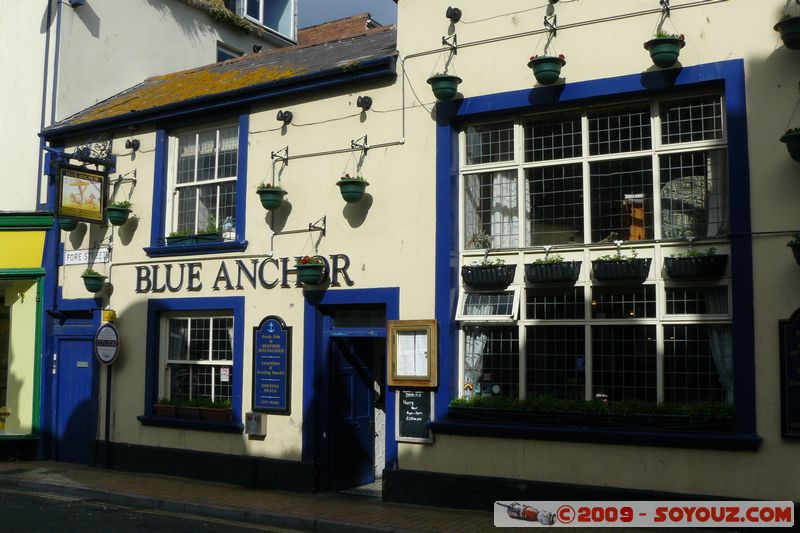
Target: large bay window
{"x":649,"y":173}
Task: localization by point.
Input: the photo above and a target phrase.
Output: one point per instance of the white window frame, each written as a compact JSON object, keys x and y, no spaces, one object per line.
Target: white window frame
{"x":172,"y":175}
{"x":462,"y":300}
{"x":164,"y":378}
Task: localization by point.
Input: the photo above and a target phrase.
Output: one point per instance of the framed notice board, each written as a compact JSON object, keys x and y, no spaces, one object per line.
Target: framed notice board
{"x":790,"y":376}
{"x":272,"y":364}
{"x":414,"y":412}
{"x":413,"y":353}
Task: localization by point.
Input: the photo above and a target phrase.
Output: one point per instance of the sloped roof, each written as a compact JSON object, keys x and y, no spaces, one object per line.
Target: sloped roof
{"x":248,"y":73}
{"x":336,"y":29}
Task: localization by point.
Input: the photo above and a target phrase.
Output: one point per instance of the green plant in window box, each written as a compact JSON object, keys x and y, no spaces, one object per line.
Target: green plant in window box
{"x":93,"y":281}
{"x":166,"y":408}
{"x":271,"y":195}
{"x":619,"y":267}
{"x":118,"y":212}
{"x":552,"y":268}
{"x":694,"y":264}
{"x":665,"y":48}
{"x":792,"y":141}
{"x":211,"y":233}
{"x":488,"y":273}
{"x":352,"y":188}
{"x":310,"y":270}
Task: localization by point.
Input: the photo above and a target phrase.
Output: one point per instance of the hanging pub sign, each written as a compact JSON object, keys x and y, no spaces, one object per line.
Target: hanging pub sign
{"x":82,"y":193}
{"x":790,"y":376}
{"x":272,"y":358}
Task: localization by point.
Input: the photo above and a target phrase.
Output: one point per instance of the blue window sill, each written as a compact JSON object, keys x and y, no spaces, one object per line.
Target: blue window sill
{"x":200,"y":425}
{"x":667,"y":439}
{"x":194,"y":249}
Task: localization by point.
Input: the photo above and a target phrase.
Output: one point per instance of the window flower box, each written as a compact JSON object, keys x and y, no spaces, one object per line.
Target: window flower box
{"x":200,"y":238}
{"x":188,"y":412}
{"x":665,"y":48}
{"x":488,"y":276}
{"x":547,"y":69}
{"x":212,"y":414}
{"x":118,"y":212}
{"x":271,"y":196}
{"x":792,"y":141}
{"x":444,"y":86}
{"x":553,"y":272}
{"x":165,"y":410}
{"x":629,"y":268}
{"x":67,"y":223}
{"x":696,"y":267}
{"x":789,"y":28}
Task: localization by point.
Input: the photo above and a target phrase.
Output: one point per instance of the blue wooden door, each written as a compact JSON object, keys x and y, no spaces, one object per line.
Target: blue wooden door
{"x":76,"y":406}
{"x":352,"y":430}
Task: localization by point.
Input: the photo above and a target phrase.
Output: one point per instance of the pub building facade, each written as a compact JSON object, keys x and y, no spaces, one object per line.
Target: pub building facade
{"x":503,"y":313}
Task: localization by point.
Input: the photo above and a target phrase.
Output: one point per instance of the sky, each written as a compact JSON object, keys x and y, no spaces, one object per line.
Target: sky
{"x":311,"y":12}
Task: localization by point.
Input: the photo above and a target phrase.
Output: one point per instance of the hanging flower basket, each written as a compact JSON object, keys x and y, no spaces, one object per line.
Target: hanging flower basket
{"x":557,"y":272}
{"x":67,"y":223}
{"x":496,"y":277}
{"x":352,"y":189}
{"x":620,"y":269}
{"x":789,"y":29}
{"x":310,"y":270}
{"x":444,"y":86}
{"x":93,"y":281}
{"x":118,"y":212}
{"x":696,"y":267}
{"x":665,"y":48}
{"x":271,"y":196}
{"x":792,"y":141}
{"x":547,"y":69}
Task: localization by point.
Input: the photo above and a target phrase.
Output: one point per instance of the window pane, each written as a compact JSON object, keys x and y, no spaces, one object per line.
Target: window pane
{"x":491,"y":357}
{"x":694,"y":194}
{"x":698,"y":363}
{"x":227,"y":206}
{"x":254,"y":9}
{"x":223,"y":389}
{"x":178,"y":330}
{"x":556,"y":362}
{"x":490,"y":143}
{"x":490,"y":201}
{"x":624,"y":362}
{"x":199,"y":340}
{"x":202,"y":382}
{"x":546,"y":140}
{"x":207,"y":214}
{"x":187,"y":149}
{"x":697,"y":300}
{"x":555,"y":205}
{"x":699,"y":119}
{"x":222,"y":346}
{"x":206,"y":160}
{"x":622,"y":200}
{"x":179,"y":379}
{"x":187,"y":210}
{"x":625,"y":302}
{"x":619,"y":131}
{"x":484,"y":304}
{"x":228,"y":151}
{"x":555,"y":304}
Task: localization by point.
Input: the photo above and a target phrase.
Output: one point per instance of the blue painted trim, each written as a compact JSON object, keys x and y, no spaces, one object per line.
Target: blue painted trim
{"x":378,"y":68}
{"x":233,"y":304}
{"x":157,"y":247}
{"x":728,"y":74}
{"x":314,"y":348}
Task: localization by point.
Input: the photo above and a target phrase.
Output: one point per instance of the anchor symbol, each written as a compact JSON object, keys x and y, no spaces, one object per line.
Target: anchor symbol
{"x":271,"y":328}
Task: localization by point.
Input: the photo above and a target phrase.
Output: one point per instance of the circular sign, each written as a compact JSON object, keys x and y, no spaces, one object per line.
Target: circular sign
{"x":106,"y":343}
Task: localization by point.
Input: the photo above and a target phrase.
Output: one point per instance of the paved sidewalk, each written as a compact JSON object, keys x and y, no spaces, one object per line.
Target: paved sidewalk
{"x":313,"y":512}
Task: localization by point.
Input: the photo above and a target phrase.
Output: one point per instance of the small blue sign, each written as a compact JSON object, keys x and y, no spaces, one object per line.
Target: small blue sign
{"x":272,"y":366}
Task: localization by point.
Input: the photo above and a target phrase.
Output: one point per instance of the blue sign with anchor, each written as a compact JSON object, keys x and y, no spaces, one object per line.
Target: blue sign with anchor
{"x":272,"y":366}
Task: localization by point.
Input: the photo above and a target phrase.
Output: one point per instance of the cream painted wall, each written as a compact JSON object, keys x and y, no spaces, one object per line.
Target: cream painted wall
{"x":20,"y":296}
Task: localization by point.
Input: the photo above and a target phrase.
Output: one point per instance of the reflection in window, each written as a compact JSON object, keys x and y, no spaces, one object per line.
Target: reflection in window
{"x":490,"y":209}
{"x":491,"y":361}
{"x":490,"y":143}
{"x":555,"y":205}
{"x":698,"y":363}
{"x":622,"y":200}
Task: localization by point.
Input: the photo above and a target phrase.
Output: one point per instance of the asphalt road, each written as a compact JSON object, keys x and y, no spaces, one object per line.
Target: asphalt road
{"x":27,"y":511}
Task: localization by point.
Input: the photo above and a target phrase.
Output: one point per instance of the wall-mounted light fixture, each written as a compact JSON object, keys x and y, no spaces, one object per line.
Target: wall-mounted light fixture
{"x":132,"y":144}
{"x":453,"y":13}
{"x":285,"y":117}
{"x":364,"y":102}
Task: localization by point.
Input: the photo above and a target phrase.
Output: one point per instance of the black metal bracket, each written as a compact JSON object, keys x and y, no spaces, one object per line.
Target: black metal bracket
{"x":357,"y":145}
{"x":123,"y":178}
{"x":664,"y":7}
{"x":453,"y":46}
{"x":551,"y":23}
{"x":276,"y":156}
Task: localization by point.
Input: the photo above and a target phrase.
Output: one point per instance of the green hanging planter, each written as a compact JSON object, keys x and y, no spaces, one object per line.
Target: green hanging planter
{"x":664,"y":51}
{"x":444,"y":86}
{"x":792,"y":141}
{"x":352,"y":189}
{"x":93,"y":281}
{"x":117,"y":215}
{"x":271,"y":197}
{"x":789,"y":29}
{"x":547,"y":69}
{"x":67,"y":223}
{"x":310,"y":270}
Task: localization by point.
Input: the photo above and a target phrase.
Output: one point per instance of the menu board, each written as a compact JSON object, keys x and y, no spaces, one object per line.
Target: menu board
{"x":271,"y":367}
{"x":790,"y":376}
{"x":414,"y":412}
